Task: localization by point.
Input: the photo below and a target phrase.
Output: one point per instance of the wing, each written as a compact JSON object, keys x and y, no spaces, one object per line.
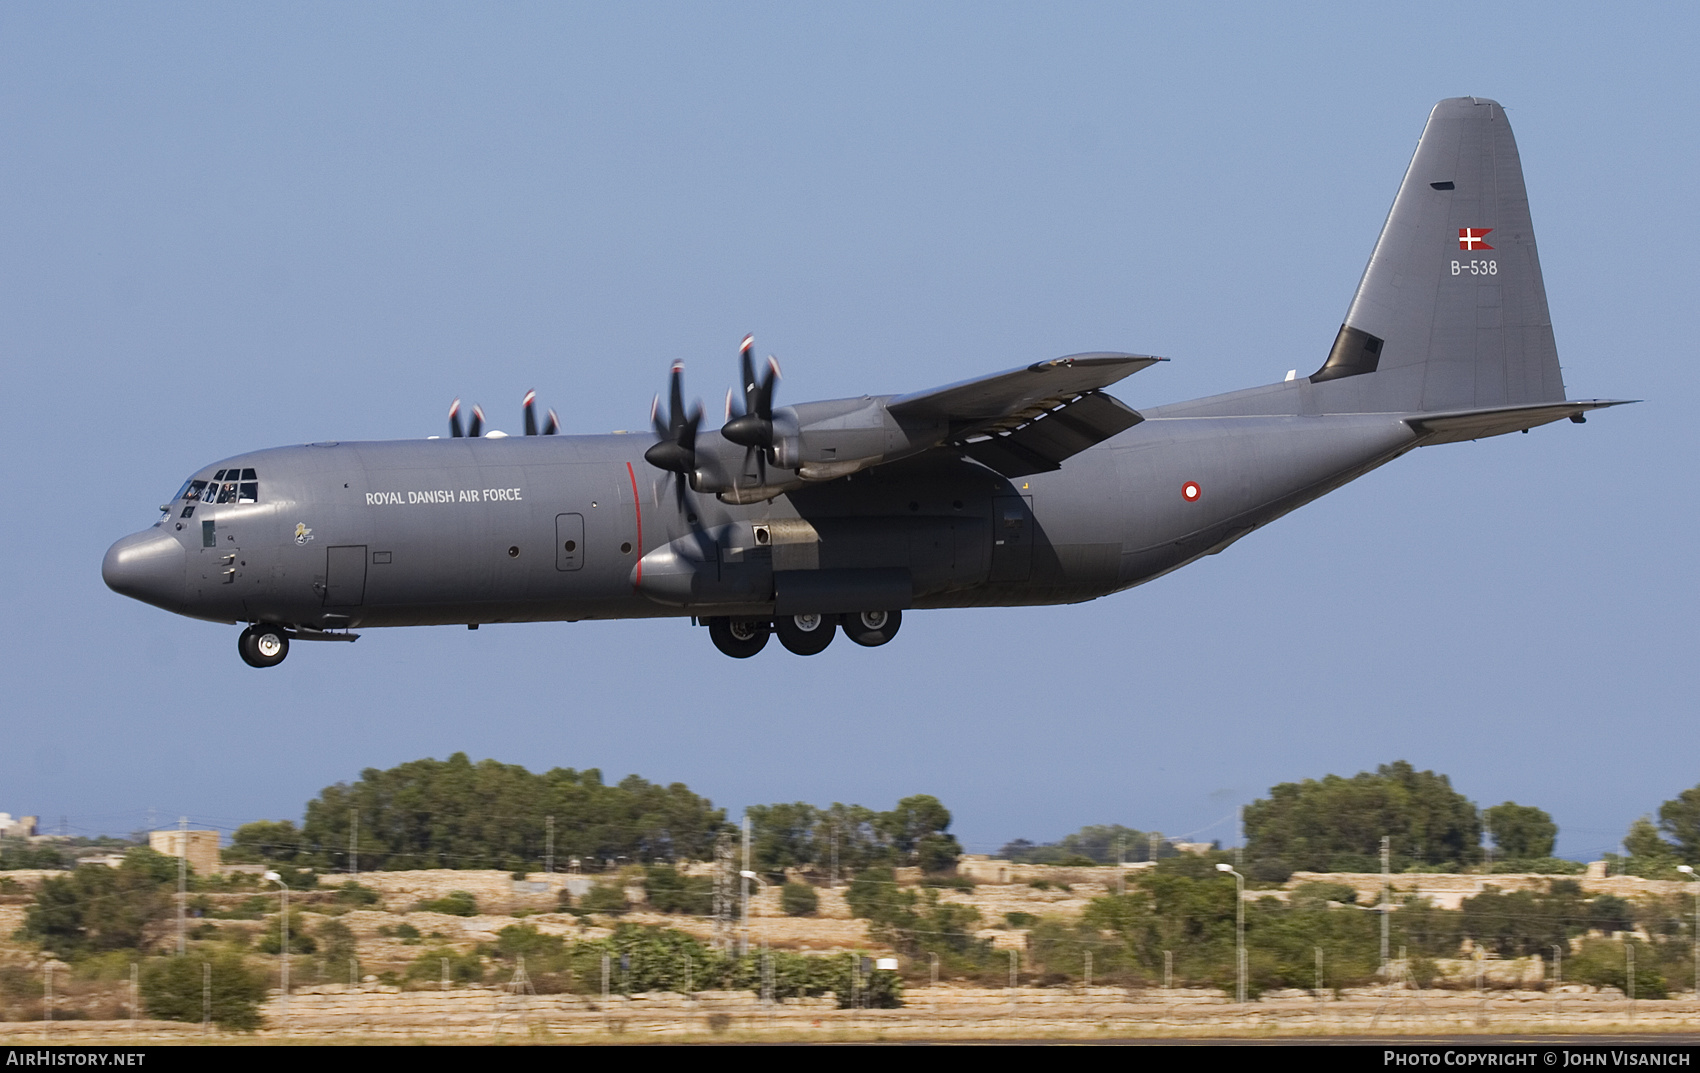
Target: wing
{"x":1029,"y":420}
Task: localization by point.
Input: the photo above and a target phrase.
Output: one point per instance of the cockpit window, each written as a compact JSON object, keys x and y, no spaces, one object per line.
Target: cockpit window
{"x":226,"y":486}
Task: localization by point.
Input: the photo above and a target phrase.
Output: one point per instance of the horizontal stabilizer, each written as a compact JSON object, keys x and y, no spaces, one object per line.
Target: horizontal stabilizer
{"x":1458,"y":425}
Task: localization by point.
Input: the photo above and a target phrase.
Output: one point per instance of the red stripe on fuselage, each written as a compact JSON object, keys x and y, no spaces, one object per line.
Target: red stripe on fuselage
{"x":637,"y":509}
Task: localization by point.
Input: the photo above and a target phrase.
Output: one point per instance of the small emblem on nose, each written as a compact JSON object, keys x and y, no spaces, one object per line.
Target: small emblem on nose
{"x":302,"y":533}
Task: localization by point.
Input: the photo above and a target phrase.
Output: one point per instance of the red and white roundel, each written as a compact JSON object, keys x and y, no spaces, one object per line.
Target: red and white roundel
{"x":1190,"y":491}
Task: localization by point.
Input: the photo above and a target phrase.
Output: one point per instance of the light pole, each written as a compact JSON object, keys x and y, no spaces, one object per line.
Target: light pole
{"x":1239,"y":927}
{"x":747,"y":874}
{"x":1688,"y":870}
{"x":273,"y":877}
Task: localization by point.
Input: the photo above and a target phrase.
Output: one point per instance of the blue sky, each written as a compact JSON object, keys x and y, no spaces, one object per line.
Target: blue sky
{"x":225,"y":227}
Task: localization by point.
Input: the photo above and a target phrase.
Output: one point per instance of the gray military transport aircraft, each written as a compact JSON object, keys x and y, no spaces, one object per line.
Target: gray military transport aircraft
{"x":1031,"y":486}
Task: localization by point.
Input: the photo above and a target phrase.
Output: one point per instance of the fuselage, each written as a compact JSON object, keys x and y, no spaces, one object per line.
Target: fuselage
{"x":1029,"y":486}
{"x":540,"y":528}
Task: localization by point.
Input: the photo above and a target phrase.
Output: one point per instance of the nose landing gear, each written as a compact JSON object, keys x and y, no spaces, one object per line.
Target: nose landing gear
{"x":263,"y":645}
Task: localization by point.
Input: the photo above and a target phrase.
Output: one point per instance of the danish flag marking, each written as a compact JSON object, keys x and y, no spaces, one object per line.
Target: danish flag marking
{"x":1473,"y":238}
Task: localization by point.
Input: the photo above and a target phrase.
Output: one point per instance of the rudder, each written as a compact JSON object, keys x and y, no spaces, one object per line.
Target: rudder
{"x":1451,"y":312}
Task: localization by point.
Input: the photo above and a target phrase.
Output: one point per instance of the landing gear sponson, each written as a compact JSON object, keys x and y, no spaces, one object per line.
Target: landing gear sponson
{"x":806,"y":635}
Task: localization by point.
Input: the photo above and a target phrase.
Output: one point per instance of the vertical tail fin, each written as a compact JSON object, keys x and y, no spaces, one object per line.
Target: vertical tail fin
{"x":1452,"y":311}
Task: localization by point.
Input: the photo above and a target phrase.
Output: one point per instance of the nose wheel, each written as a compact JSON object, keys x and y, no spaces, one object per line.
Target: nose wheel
{"x":263,"y":646}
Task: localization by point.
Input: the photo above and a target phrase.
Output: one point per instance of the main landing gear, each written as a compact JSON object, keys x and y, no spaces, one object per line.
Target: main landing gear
{"x":263,"y":645}
{"x":805,"y":635}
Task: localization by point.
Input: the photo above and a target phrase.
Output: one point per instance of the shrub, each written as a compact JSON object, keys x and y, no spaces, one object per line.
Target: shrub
{"x":798,"y":900}
{"x":427,"y":968}
{"x":96,"y":908}
{"x":1602,"y":963}
{"x":604,"y":898}
{"x":456,"y":903}
{"x":299,"y":941}
{"x":671,"y":891}
{"x":1315,"y":895}
{"x":870,"y":891}
{"x":172,"y":989}
{"x":1020,"y":920}
{"x":354,"y":895}
{"x":947,"y":882}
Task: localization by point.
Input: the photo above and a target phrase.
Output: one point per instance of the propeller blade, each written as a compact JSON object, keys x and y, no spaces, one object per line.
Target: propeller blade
{"x":754,"y":427}
{"x":676,"y":437}
{"x":553,"y":425}
{"x":529,"y":405}
{"x":676,"y":399}
{"x":477,"y":428}
{"x":747,"y":366}
{"x":454,"y":420}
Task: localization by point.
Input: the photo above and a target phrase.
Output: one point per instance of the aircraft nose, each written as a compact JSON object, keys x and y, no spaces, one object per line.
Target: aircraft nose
{"x":147,"y":566}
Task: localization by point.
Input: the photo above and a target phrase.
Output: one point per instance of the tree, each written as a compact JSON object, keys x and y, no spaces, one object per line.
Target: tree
{"x":1680,"y":818}
{"x":456,"y":814}
{"x":265,"y":840}
{"x":916,"y":830}
{"x":1649,"y":855}
{"x":1523,"y":922}
{"x":1097,"y":844}
{"x":1336,"y":824}
{"x":95,"y":908}
{"x":1522,"y":832}
{"x":783,"y":836}
{"x":799,"y":835}
{"x":1184,"y":906}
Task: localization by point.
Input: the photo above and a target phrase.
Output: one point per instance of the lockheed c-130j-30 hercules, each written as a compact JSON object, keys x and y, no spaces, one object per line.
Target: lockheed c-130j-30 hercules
{"x":1032,"y":486}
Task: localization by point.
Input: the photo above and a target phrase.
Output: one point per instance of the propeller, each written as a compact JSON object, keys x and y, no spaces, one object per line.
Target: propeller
{"x":454,"y":421}
{"x":550,"y":428}
{"x":676,"y":447}
{"x":753,"y":429}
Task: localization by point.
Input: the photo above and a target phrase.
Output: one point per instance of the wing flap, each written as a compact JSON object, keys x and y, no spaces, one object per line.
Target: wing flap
{"x":1006,"y":399}
{"x":1045,"y":441}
